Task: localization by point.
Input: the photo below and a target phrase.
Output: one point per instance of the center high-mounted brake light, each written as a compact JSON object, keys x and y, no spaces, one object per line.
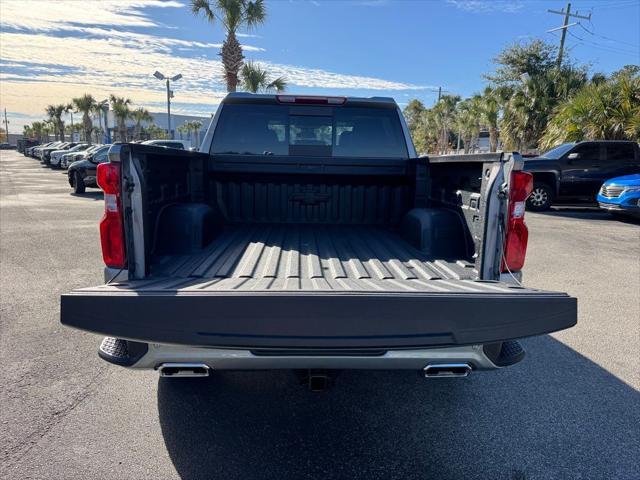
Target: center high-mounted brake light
{"x":515,"y":244}
{"x":111,"y":225}
{"x":311,"y":100}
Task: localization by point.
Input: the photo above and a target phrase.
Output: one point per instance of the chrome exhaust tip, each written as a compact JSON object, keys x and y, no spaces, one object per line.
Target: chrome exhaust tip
{"x":447,"y":370}
{"x":184,"y":370}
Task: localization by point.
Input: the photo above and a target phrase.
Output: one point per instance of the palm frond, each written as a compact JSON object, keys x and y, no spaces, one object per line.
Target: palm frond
{"x":203,"y":6}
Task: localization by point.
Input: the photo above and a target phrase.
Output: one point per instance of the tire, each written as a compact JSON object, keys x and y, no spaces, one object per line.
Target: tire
{"x":78,"y":183}
{"x":541,"y":197}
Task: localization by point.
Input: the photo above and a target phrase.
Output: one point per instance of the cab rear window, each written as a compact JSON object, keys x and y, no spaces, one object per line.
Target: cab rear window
{"x":309,"y":131}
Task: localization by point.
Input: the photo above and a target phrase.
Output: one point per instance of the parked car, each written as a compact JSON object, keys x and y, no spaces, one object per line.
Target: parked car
{"x":575,"y":171}
{"x":37,"y":150}
{"x":82,"y":174}
{"x":46,"y":152}
{"x":24,"y":143}
{"x":7,"y":146}
{"x":40,"y":151}
{"x":31,"y":151}
{"x":68,"y":158}
{"x":178,"y":144}
{"x":295,"y":246}
{"x":56,"y":156}
{"x":621,"y":195}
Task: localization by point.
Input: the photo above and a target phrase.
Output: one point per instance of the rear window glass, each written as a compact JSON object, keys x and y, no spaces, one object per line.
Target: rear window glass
{"x":312,"y":131}
{"x":620,"y":152}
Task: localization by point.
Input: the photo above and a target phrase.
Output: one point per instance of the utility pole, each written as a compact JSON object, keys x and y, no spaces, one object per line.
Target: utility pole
{"x":439,"y":93}
{"x":565,"y":26}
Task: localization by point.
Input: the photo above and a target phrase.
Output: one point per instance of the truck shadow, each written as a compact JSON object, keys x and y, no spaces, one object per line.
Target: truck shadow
{"x":95,"y":195}
{"x":557,"y":413}
{"x":582,"y":213}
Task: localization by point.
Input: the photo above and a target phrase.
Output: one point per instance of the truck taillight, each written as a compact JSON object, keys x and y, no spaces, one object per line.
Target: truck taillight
{"x":111,"y":225}
{"x":515,"y":244}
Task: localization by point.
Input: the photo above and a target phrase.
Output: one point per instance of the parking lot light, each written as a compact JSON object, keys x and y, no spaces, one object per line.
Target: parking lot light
{"x":168,"y":81}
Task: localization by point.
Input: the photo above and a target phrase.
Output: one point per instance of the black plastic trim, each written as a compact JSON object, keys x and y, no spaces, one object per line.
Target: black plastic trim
{"x":317,"y":320}
{"x":135,"y":351}
{"x":504,"y":354}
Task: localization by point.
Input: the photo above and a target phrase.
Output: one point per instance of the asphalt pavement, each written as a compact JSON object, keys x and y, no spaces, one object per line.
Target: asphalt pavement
{"x":570,"y":410}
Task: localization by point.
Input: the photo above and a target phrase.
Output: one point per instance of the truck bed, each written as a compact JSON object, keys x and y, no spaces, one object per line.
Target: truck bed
{"x":273,"y":257}
{"x":312,"y":286}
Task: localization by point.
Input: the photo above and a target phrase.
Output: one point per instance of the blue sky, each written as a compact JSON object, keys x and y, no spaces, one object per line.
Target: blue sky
{"x":51,"y":51}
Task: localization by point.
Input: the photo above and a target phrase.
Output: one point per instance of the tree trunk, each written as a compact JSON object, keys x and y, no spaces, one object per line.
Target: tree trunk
{"x":88,"y":126}
{"x":122,"y":135}
{"x":232,"y":59}
{"x":493,"y":139}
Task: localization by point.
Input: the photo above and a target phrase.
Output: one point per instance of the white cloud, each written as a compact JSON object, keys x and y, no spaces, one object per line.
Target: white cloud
{"x":51,"y":15}
{"x":54,"y":51}
{"x":486,"y":6}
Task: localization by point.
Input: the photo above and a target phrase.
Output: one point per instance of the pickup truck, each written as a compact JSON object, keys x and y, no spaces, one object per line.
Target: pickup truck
{"x":306,"y":234}
{"x":576,"y":171}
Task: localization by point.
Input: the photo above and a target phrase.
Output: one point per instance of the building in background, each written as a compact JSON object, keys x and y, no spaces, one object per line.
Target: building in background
{"x":160,"y":121}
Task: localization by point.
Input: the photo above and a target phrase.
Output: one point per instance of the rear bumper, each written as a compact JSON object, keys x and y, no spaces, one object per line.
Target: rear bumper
{"x":315,"y":319}
{"x":233,"y":359}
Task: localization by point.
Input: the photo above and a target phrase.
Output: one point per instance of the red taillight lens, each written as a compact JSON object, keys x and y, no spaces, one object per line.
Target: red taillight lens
{"x":515,"y":245}
{"x":111,"y":225}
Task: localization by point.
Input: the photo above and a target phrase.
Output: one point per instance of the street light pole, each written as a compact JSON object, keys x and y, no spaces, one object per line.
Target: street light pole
{"x":169,"y":110}
{"x":105,"y":110}
{"x":168,"y":80}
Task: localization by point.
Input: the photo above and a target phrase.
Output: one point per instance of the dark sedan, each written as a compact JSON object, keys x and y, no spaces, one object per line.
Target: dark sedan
{"x":82,"y":174}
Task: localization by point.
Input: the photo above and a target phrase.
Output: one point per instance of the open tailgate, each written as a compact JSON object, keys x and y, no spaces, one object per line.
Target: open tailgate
{"x":219,"y":314}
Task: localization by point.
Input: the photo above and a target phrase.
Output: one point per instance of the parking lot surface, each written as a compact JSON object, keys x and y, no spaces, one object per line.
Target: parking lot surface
{"x":570,"y":410}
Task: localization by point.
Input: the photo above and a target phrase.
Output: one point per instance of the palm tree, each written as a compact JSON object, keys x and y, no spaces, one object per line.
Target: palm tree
{"x":465,"y":122}
{"x":608,"y":110}
{"x":47,"y":129}
{"x":445,"y":110}
{"x":256,"y":79}
{"x":140,"y":115}
{"x":196,"y":126}
{"x":529,"y":106}
{"x":183,"y":129}
{"x":490,"y":109}
{"x":85,"y":104}
{"x":99,"y":109}
{"x":55,"y":113}
{"x":121,"y":112}
{"x":155,"y":132}
{"x":233,"y":14}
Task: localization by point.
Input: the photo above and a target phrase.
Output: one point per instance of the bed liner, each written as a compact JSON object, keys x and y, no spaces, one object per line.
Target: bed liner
{"x":309,"y":257}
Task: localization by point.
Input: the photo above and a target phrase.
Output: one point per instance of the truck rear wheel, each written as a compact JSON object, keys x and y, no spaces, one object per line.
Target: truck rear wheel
{"x":541,"y":197}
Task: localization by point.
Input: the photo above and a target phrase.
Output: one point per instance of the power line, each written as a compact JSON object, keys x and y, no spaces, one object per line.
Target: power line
{"x":607,"y":38}
{"x":601,"y":47}
{"x":609,"y":5}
